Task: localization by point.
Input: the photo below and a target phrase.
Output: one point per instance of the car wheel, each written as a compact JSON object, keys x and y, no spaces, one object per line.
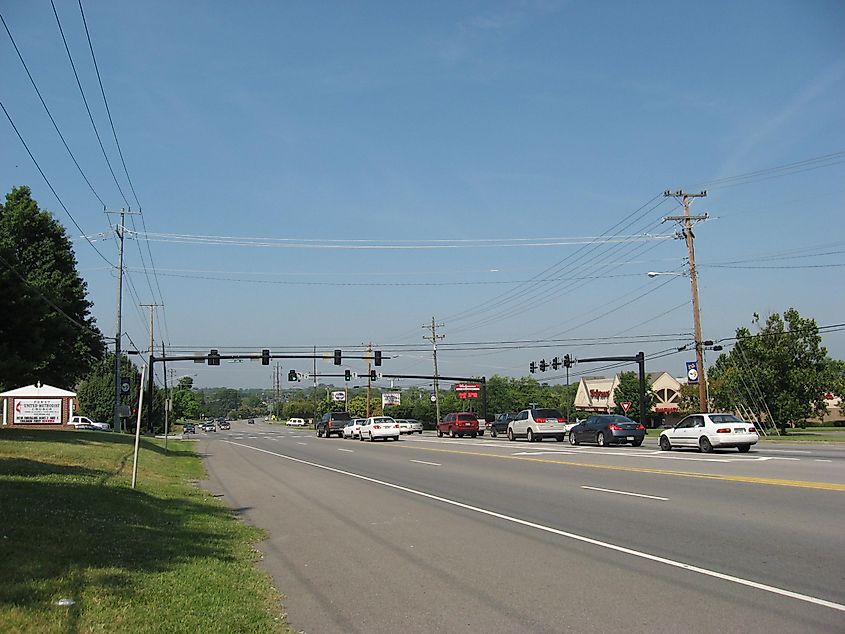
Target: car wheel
{"x":451,"y":432}
{"x":665,"y":445}
{"x":318,"y":433}
{"x":637,"y":443}
{"x":530,"y":435}
{"x":744,"y":448}
{"x":439,"y":434}
{"x":361,"y":437}
{"x":474,"y":435}
{"x":481,"y":433}
{"x":510,"y":434}
{"x":572,"y":439}
{"x":396,"y":438}
{"x":371,"y":437}
{"x":705,"y":445}
{"x":492,"y":433}
{"x":601,"y":439}
{"x":559,"y":437}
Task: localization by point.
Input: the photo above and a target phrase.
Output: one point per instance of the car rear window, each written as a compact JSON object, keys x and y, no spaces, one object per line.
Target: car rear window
{"x":547,"y":413}
{"x":341,"y":416}
{"x":466,"y":417}
{"x":720,"y":419}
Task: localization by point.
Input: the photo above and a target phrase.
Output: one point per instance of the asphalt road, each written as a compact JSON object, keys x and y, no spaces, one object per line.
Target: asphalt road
{"x":461,"y":535}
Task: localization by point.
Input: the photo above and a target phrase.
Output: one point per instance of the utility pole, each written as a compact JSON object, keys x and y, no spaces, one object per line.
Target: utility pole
{"x":152,"y":308}
{"x":315,"y":386}
{"x":116,"y":413}
{"x":168,"y":397}
{"x":686,"y":223}
{"x":433,"y":339}
{"x":369,"y":376}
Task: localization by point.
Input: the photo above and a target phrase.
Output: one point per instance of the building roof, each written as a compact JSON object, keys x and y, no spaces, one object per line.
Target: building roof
{"x":39,"y":391}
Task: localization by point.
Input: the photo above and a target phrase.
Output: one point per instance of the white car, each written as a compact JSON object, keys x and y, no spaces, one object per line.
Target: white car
{"x":414,"y":426}
{"x":296,"y":422}
{"x":379,"y":427}
{"x":88,"y":423}
{"x":706,"y":432}
{"x":536,"y":424}
{"x":352,"y":429}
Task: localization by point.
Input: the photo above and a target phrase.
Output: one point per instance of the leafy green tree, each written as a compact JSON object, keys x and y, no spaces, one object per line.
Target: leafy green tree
{"x":95,"y":391}
{"x":628,"y":390}
{"x":40,"y":282}
{"x":781,"y":373}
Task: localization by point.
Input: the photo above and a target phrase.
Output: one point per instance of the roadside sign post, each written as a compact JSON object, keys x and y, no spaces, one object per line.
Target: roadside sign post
{"x":138,"y":430}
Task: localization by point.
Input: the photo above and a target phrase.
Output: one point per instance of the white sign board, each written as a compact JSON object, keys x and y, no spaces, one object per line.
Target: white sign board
{"x":339,"y":396}
{"x":391,"y":398}
{"x":34,"y":411}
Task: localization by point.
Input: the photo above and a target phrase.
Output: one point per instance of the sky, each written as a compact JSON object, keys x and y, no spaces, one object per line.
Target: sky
{"x":333,"y":174}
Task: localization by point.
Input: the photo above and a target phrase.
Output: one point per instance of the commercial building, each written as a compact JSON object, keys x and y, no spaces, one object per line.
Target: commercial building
{"x":595,"y":394}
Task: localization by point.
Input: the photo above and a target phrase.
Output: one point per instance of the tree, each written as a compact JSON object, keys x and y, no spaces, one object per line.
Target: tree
{"x":96,"y":390}
{"x":47,"y":333}
{"x":628,"y":390}
{"x":780,"y":374}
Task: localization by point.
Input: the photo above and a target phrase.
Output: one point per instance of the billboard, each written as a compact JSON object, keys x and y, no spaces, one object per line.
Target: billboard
{"x":339,"y":396}
{"x":38,"y":411}
{"x":391,"y":398}
{"x":467,"y":390}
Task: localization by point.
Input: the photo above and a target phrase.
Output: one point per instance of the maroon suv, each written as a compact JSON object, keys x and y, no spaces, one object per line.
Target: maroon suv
{"x":458,"y":424}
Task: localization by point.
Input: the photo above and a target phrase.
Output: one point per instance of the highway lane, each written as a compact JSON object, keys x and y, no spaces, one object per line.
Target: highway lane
{"x":787,"y":537}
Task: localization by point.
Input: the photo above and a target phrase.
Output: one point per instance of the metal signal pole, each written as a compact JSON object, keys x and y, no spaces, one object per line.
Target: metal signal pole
{"x":152,"y":308}
{"x":686,"y":222}
{"x":116,"y":414}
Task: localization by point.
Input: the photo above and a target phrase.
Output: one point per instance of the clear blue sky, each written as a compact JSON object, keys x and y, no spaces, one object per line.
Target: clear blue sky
{"x":404,"y":124}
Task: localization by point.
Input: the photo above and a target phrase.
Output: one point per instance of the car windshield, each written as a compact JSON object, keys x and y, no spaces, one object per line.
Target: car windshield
{"x":720,"y":419}
{"x":547,"y":413}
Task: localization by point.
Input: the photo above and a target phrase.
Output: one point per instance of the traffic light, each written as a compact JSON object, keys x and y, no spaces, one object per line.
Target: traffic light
{"x":213,"y":357}
{"x":532,"y":367}
{"x":555,"y":363}
{"x":292,"y":376}
{"x":567,"y":361}
{"x":338,"y":357}
{"x":347,"y":375}
{"x":265,"y":357}
{"x":377,"y":359}
{"x":373,"y":375}
{"x":543,"y":365}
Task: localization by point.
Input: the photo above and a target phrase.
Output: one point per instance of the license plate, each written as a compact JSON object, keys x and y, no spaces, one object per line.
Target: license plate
{"x":630,"y":438}
{"x":739,"y":430}
{"x":551,"y":420}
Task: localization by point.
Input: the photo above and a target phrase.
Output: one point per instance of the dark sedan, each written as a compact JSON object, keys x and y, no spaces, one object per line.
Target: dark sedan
{"x":499,"y":425}
{"x":608,"y":429}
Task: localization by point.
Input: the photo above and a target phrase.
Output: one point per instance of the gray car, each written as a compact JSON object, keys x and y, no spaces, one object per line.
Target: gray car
{"x":608,"y":429}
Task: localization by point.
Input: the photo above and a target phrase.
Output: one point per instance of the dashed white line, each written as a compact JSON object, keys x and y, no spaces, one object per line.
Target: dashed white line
{"x":823,"y":460}
{"x":302,"y":443}
{"x":638,"y":495}
{"x":433,"y":464}
{"x":574,"y":536}
{"x":347,"y":450}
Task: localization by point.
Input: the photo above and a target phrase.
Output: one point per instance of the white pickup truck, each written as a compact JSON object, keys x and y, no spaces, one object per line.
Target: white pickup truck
{"x":83,"y":422}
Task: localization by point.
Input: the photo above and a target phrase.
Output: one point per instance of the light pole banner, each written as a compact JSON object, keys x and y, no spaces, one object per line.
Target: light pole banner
{"x":339,"y":396}
{"x":391,"y":398}
{"x":692,"y":372}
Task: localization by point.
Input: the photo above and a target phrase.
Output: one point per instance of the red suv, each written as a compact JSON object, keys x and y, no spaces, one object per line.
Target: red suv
{"x":458,"y":424}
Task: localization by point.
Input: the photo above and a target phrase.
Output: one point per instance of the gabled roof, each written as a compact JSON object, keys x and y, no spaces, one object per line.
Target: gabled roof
{"x":41,"y":391}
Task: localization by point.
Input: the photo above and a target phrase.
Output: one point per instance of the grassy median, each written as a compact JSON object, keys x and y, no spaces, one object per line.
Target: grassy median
{"x":165,"y":557}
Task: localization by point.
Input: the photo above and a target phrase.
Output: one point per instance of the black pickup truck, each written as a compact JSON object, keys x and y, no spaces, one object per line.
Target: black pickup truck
{"x":332,"y":423}
{"x":500,"y":424}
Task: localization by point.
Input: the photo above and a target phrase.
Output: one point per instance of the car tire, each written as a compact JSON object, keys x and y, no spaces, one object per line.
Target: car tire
{"x":559,"y":437}
{"x":481,"y":433}
{"x":492,"y":433}
{"x":744,"y":448}
{"x":601,"y":439}
{"x":704,"y":445}
{"x":396,"y":438}
{"x":510,"y":434}
{"x":637,"y":443}
{"x":665,"y":444}
{"x":319,"y":434}
{"x":451,"y":432}
{"x":371,"y":437}
{"x":361,"y":437}
{"x":474,"y":435}
{"x":439,"y":434}
{"x":573,"y":440}
{"x":530,"y":435}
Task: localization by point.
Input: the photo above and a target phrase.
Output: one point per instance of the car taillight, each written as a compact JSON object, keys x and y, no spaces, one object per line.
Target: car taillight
{"x":723,"y":430}
{"x":752,"y":430}
{"x":540,"y":420}
{"x":376,"y":427}
{"x":614,"y":427}
{"x":640,"y":426}
{"x":396,"y":426}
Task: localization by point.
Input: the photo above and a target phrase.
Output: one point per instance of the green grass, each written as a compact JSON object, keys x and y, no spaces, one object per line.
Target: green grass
{"x":165,"y":557}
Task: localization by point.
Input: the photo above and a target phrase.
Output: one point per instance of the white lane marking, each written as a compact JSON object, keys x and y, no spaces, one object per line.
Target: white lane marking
{"x":787,"y":450}
{"x":638,"y":495}
{"x":574,"y":536}
{"x":253,"y":437}
{"x":821,"y":460}
{"x":302,"y":443}
{"x":433,"y":464}
{"x":347,"y":450}
{"x":542,"y":453}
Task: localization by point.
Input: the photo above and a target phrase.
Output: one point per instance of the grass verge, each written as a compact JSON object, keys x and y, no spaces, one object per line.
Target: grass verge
{"x":165,"y":557}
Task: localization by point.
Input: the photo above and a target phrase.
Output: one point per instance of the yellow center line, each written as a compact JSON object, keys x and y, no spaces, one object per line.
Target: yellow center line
{"x":801,"y":484}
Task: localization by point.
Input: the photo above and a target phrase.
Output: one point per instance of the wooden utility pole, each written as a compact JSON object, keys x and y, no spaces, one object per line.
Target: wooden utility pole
{"x":686,"y":224}
{"x":433,"y":339}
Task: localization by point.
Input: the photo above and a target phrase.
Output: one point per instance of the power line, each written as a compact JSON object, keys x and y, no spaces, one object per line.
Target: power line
{"x":50,"y":185}
{"x":49,"y":114}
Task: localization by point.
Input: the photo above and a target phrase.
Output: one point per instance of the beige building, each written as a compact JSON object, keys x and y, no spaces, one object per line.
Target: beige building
{"x":595,"y":394}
